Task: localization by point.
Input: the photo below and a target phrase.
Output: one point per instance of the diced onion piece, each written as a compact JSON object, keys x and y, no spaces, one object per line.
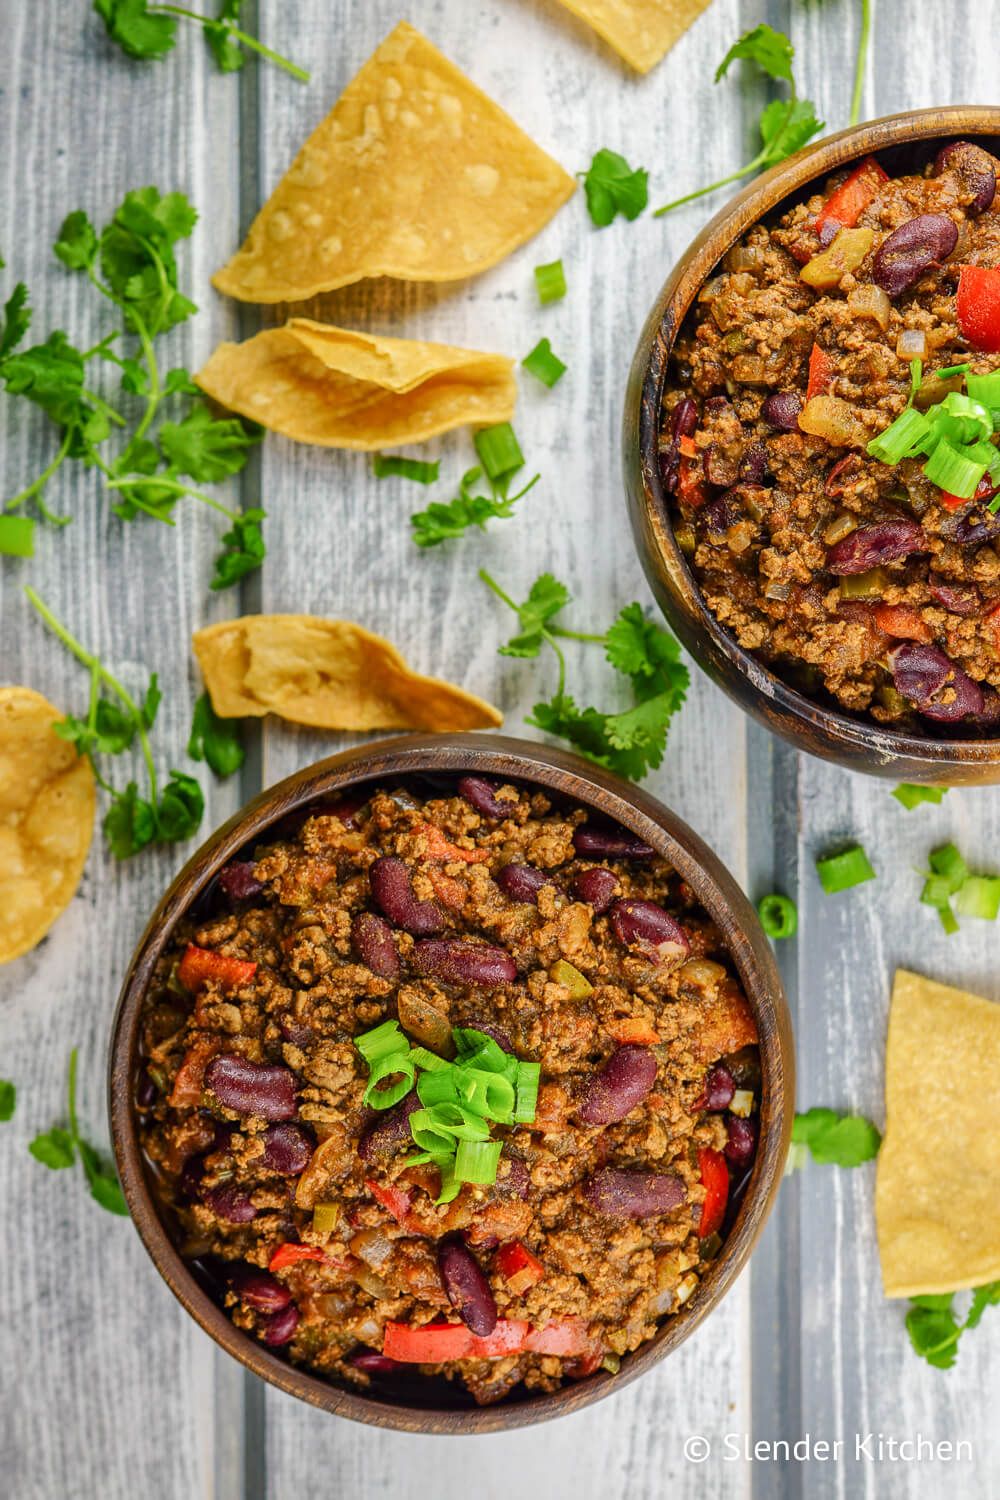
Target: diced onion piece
{"x":712,"y":289}
{"x":578,"y":984}
{"x":911,"y":344}
{"x":826,"y":270}
{"x":836,"y":420}
{"x":870,"y":301}
{"x":778,"y":591}
{"x":685,"y":1288}
{"x":743,"y":258}
{"x":840,"y":527}
{"x":742,"y":1104}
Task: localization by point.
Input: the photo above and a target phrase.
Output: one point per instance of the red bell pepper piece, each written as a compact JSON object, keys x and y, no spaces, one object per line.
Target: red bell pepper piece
{"x":977,"y":304}
{"x":290,"y":1255}
{"x":510,"y":1336}
{"x":396,"y":1201}
{"x":437,"y":1343}
{"x":438,"y":846}
{"x":715,"y":1181}
{"x":691,"y":490}
{"x":201,"y":966}
{"x":633,"y":1031}
{"x":902,"y":622}
{"x":432,"y":1344}
{"x":992,"y":622}
{"x":519,"y":1268}
{"x":565,"y":1337}
{"x":984,"y":491}
{"x":820,"y":372}
{"x":844,"y":207}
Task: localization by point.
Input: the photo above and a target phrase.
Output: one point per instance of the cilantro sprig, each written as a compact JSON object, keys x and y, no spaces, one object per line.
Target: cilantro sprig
{"x":61,"y":1147}
{"x":149,"y":32}
{"x":8,"y":1099}
{"x":214,"y":740}
{"x":442,"y":521}
{"x":158,"y":460}
{"x":832,"y":1139}
{"x":613,"y":187}
{"x":934,"y":1329}
{"x":633,"y":741}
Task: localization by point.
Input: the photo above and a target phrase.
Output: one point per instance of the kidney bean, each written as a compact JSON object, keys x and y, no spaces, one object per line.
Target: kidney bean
{"x":145,"y":1089}
{"x":781,"y":411}
{"x":623,"y":1082}
{"x":389,"y":878}
{"x":481,"y":794}
{"x":684,"y":419}
{"x":741,"y":1142}
{"x":753,"y":464}
{"x":499,"y":1036}
{"x":252,"y":1088}
{"x":230,"y":1203}
{"x":459,"y":962}
{"x":389,"y":1130}
{"x":744,"y":1066}
{"x":633,"y":1195}
{"x":522,"y":883}
{"x":258,"y":1289}
{"x":467,"y":1288}
{"x":719,"y":1088}
{"x":346,"y":808}
{"x":902,"y":258}
{"x":648,"y":925}
{"x":973,"y":527}
{"x":956,"y":598}
{"x":280,"y":1327}
{"x":238,"y":881}
{"x":293,"y":1030}
{"x":976,"y":169}
{"x":375,"y":1364}
{"x":516,"y":1181}
{"x":375,"y":945}
{"x":598,"y":887}
{"x":189,"y":1181}
{"x":937,"y":688}
{"x":287,"y":1149}
{"x":669,"y":460}
{"x":609,"y":841}
{"x":870,"y":546}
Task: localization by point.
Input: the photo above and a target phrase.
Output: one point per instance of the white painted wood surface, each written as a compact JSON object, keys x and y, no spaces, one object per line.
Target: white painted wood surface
{"x":106,"y":1388}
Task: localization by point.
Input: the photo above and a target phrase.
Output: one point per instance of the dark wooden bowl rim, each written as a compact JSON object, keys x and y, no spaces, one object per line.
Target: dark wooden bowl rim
{"x":496,"y":756}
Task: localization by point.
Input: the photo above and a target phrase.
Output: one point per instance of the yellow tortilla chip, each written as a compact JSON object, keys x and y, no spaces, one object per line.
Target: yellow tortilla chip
{"x":46,"y":819}
{"x":641,"y":31}
{"x":414,"y":174}
{"x":329,"y":674}
{"x":342,"y":389}
{"x":937,"y":1194}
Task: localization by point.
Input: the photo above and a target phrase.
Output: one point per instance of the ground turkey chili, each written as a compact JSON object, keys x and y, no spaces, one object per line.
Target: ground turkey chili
{"x":566,"y":949}
{"x":855,"y":578}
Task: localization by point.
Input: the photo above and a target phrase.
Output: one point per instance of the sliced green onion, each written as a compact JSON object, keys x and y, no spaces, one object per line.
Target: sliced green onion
{"x":984,"y":388}
{"x":499,"y":451}
{"x":380,"y":1041}
{"x":979,"y":896}
{"x":390,"y":465}
{"x":916,"y":377}
{"x":901,"y":438}
{"x":439,"y":1087}
{"x":948,"y":468}
{"x":937,"y":891}
{"x":476,"y":1161}
{"x":479,"y":1050}
{"x":451,"y":1184}
{"x":389,"y":1066}
{"x":950,"y":370}
{"x":543,"y":364}
{"x":550,"y":281}
{"x":487,"y":1094}
{"x":459,"y":1122}
{"x":912,"y":796}
{"x":429,"y":1061}
{"x":17,"y":536}
{"x":839,"y":872}
{"x":528,"y":1075}
{"x":779,"y":916}
{"x":948,"y":863}
{"x":961,"y":418}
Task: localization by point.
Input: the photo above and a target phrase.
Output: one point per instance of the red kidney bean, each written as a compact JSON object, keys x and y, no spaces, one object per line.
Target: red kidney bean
{"x":293,"y":1030}
{"x":189,"y":1181}
{"x":781,"y":411}
{"x":648,"y":925}
{"x":973,"y":527}
{"x":753,"y":465}
{"x":623,"y":1082}
{"x":720,"y":515}
{"x":499,"y":1036}
{"x":741,"y":1140}
{"x":375,"y":945}
{"x":870,"y":546}
{"x":516,"y":1181}
{"x":391,"y":886}
{"x":522,"y":883}
{"x":609,"y":841}
{"x":719,"y":1088}
{"x":902,"y":258}
{"x":481,"y":794}
{"x":975,"y":167}
{"x":669,"y":459}
{"x":956,"y":598}
{"x":844,"y":471}
{"x":467,"y":1288}
{"x":633,"y":1195}
{"x":145,"y":1089}
{"x":258,"y":1289}
{"x":459,"y":962}
{"x":375,"y":1364}
{"x":230,"y":1203}
{"x":598,"y":887}
{"x":280,"y":1327}
{"x":346,"y":808}
{"x":287,"y":1149}
{"x":937,"y":688}
{"x":389,"y":1130}
{"x":744,"y":1066}
{"x":238,"y":881}
{"x":252,"y":1088}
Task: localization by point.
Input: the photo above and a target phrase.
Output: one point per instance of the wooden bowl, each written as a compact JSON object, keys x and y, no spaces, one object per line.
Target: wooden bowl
{"x":901,"y":142}
{"x":446,"y":1410}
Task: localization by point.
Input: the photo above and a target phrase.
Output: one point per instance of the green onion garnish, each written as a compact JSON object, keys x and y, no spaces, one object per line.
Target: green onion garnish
{"x":476,"y":1161}
{"x":916,"y":377}
{"x":550,"y":281}
{"x":17,"y":536}
{"x":901,"y":438}
{"x":543,"y":364}
{"x":429,"y":1061}
{"x":912,"y":796}
{"x":389,"y":465}
{"x":380,"y":1041}
{"x":949,"y":864}
{"x":948,"y":468}
{"x":473,"y":1044}
{"x":499,"y":451}
{"x":528,"y":1075}
{"x":438,"y":1087}
{"x":951,"y":370}
{"x":398,"y":1065}
{"x":779,"y":916}
{"x":985,"y":388}
{"x":488,"y":1094}
{"x":839,"y":872}
{"x":979,"y":896}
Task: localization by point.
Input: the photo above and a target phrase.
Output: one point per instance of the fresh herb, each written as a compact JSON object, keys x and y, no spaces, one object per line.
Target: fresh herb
{"x":954,"y":436}
{"x":839,"y":872}
{"x":779,"y":916}
{"x":613,"y":187}
{"x":911,"y":796}
{"x":836,"y":1140}
{"x":934,"y":1329}
{"x":785,"y":124}
{"x":442,"y":521}
{"x":550,"y":281}
{"x":499,"y":453}
{"x":59,"y":1148}
{"x":949,"y":878}
{"x":132,"y":263}
{"x":112,"y":725}
{"x":543,"y":364}
{"x":387,"y":465}
{"x":8,"y":1099}
{"x":148,"y":31}
{"x":215,"y":740}
{"x":631,"y":742}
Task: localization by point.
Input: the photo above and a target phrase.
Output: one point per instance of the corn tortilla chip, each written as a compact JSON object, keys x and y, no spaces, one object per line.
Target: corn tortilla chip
{"x":937,"y":1195}
{"x":46,"y":820}
{"x":641,"y":31}
{"x":342,"y":389}
{"x":329,"y":674}
{"x":414,"y":174}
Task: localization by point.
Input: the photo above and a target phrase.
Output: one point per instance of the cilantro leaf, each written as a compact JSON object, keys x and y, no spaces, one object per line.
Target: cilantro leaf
{"x":58,"y":1148}
{"x":205,"y":448}
{"x":8,"y":1099}
{"x":178,"y":382}
{"x":16,"y":320}
{"x":982,"y":1298}
{"x":151,"y":702}
{"x":933,"y":1331}
{"x":243,"y":550}
{"x":218,"y":34}
{"x":76,"y":246}
{"x":129,"y":823}
{"x":546,"y":598}
{"x":785,"y":127}
{"x":770,"y":49}
{"x":837,"y":1140}
{"x":613,"y":187}
{"x":139,"y":34}
{"x":54,"y":1149}
{"x":646,"y":651}
{"x":180,"y":809}
{"x":50,"y":375}
{"x":440,"y":522}
{"x":105,"y":1189}
{"x":215,"y":740}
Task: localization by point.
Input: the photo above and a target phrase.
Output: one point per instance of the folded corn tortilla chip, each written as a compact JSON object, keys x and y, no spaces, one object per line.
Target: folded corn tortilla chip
{"x":641,"y":31}
{"x":329,"y":674}
{"x":414,"y":174}
{"x":46,"y":819}
{"x":937,"y":1194}
{"x":341,"y":389}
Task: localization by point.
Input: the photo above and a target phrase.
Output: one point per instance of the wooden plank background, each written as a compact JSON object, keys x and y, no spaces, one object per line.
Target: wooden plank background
{"x":107,"y":1389}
